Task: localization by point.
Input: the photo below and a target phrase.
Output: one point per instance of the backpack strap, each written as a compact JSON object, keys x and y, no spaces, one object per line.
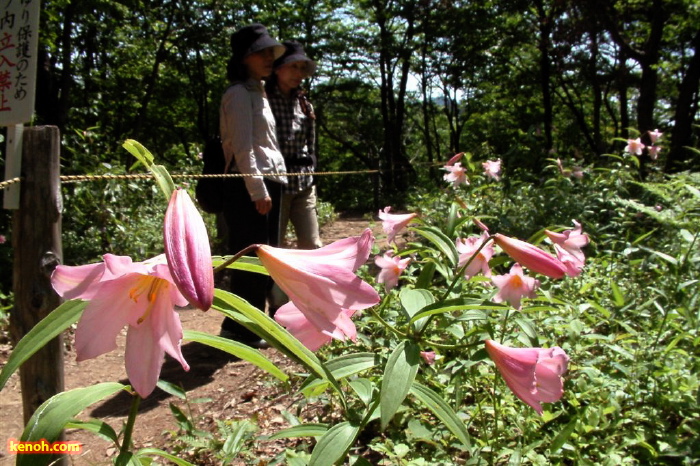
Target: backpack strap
{"x":305,"y":105}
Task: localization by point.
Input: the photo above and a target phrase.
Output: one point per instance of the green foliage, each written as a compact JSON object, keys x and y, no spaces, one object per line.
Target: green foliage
{"x":230,"y":439}
{"x":629,"y":324}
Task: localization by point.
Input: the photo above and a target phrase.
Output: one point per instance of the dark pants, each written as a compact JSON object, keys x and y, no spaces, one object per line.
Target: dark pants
{"x":245,"y":227}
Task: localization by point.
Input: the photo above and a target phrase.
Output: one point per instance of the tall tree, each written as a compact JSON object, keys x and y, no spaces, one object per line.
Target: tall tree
{"x":680,"y":156}
{"x":395,"y":46}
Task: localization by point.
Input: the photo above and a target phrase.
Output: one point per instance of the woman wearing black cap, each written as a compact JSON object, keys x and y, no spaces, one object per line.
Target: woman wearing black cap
{"x":296,"y":135}
{"x":247,"y":126}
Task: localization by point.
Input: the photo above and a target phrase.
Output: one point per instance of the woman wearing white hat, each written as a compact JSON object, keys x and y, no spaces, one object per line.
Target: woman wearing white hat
{"x":296,"y":135}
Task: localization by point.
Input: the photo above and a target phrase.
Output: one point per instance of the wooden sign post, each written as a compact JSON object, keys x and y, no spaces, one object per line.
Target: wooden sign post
{"x":19,"y":38}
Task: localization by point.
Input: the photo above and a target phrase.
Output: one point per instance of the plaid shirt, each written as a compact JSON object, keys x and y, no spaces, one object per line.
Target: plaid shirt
{"x":296,"y":137}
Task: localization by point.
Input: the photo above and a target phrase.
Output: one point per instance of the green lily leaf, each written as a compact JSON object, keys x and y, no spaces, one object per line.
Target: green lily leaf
{"x":49,"y":328}
{"x":399,"y":373}
{"x":334,"y":444}
{"x":442,"y":411}
{"x":160,"y":173}
{"x":441,"y":241}
{"x":97,"y":427}
{"x":340,"y":367}
{"x":52,"y":416}
{"x":451,"y":305}
{"x":563,"y":436}
{"x":302,"y":430}
{"x":243,"y":312}
{"x":139,"y":152}
{"x":237,"y":349}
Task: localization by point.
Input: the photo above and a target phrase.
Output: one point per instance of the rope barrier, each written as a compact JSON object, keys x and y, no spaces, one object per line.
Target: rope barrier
{"x":146,"y":176}
{"x":9,"y":182}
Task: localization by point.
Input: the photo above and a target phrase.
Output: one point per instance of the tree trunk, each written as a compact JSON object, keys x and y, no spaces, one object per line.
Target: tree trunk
{"x":684,"y":115}
{"x":398,"y":169}
{"x":545,"y":31}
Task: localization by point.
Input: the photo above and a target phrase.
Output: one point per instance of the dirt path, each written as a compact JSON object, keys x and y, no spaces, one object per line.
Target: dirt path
{"x":218,"y":388}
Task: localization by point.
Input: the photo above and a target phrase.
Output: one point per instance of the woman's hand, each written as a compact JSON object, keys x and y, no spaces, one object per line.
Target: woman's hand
{"x":264,"y":205}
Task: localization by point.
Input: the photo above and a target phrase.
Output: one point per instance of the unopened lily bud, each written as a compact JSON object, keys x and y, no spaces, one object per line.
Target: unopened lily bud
{"x":531,"y":257}
{"x":188,"y":252}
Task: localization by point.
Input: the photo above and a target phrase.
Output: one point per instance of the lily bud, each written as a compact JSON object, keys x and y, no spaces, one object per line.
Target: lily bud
{"x":188,"y":252}
{"x":531,"y":257}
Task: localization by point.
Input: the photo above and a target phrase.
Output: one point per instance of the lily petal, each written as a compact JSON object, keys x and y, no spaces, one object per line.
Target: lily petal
{"x":105,"y":315}
{"x":299,"y":326}
{"x":144,"y":358}
{"x":77,"y":282}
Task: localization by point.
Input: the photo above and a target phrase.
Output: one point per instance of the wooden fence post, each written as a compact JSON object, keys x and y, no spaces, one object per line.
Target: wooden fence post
{"x":36,"y":241}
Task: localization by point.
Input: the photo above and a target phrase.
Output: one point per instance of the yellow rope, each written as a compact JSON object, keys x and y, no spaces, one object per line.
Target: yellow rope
{"x":8,"y":183}
{"x":145,"y":176}
{"x":192,"y":176}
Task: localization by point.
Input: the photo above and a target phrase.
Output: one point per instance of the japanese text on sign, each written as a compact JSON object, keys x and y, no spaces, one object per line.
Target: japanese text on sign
{"x":19,"y":28}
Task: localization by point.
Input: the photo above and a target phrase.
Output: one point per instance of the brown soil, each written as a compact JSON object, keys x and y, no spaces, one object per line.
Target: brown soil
{"x":218,"y":388}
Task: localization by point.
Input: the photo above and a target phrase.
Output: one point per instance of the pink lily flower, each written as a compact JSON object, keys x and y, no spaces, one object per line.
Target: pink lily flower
{"x":654,"y":152}
{"x":531,"y":257}
{"x":533,"y":374}
{"x":492,"y":169}
{"x":467,"y":247}
{"x":391,"y":269}
{"x":188,"y":252}
{"x":513,"y":286}
{"x":393,"y":223}
{"x":568,"y":246}
{"x":321,"y":283}
{"x":428,"y":357}
{"x":655,"y":135}
{"x":634,"y":146}
{"x":457,"y":174}
{"x":562,"y":170}
{"x":141,"y":295}
{"x":573,"y":266}
{"x":577,"y":172}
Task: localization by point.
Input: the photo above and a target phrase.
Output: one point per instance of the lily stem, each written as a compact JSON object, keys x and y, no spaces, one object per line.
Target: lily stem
{"x":235,"y":257}
{"x":129,"y":430}
{"x":386,"y":324}
{"x":457,"y":277}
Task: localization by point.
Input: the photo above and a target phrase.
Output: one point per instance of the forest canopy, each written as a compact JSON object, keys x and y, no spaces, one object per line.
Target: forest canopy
{"x":400,"y":84}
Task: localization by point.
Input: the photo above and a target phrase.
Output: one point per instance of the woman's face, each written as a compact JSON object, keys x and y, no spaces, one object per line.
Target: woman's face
{"x":259,"y":63}
{"x":290,"y":75}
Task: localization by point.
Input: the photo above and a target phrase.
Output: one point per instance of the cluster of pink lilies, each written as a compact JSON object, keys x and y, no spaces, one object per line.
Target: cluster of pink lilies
{"x":324,"y":290}
{"x":533,"y":374}
{"x":636,"y":146}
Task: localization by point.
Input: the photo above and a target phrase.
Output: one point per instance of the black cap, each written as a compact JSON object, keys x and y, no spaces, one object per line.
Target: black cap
{"x":253,"y":38}
{"x":293,"y":52}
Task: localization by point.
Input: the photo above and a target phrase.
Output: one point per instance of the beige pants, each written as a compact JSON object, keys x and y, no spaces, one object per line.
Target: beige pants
{"x":300,"y":209}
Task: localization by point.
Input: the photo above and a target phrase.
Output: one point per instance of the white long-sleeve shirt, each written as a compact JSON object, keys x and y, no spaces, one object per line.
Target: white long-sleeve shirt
{"x":248,"y":137}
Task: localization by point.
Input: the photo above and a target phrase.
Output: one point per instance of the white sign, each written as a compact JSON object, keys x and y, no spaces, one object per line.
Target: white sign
{"x":19,"y":36}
